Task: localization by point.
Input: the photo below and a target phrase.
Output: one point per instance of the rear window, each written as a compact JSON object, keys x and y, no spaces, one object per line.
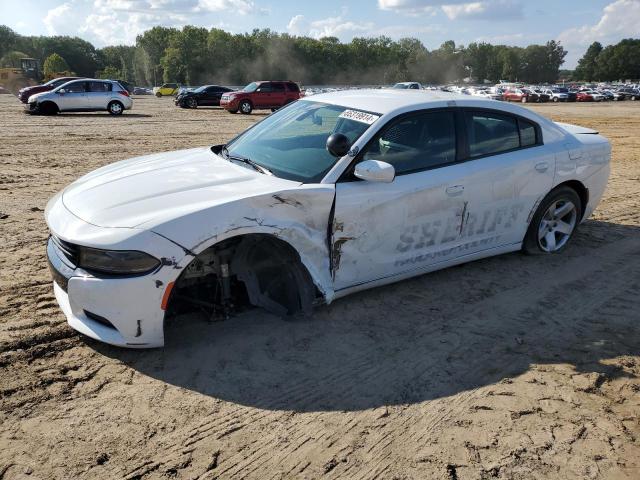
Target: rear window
{"x":293,"y":87}
{"x":99,"y":87}
{"x":491,"y":133}
{"x":527,"y":133}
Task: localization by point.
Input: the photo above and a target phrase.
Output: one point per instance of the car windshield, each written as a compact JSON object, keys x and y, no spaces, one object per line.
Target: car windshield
{"x":251,"y":87}
{"x":291,"y":143}
{"x":401,"y":85}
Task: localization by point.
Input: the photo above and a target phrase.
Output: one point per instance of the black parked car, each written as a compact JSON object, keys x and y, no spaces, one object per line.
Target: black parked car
{"x":207,"y":95}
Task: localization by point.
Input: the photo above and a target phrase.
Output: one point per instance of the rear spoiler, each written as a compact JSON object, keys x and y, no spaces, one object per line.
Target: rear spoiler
{"x":576,"y":129}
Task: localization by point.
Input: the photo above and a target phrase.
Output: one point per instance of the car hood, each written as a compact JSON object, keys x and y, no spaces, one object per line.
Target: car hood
{"x":38,"y":95}
{"x":156,"y":188}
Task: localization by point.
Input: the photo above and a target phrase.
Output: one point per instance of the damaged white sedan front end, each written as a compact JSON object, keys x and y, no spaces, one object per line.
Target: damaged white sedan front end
{"x":327,"y":196}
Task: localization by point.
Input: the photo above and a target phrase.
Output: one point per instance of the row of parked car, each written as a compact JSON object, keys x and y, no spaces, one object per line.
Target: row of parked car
{"x":544,"y":93}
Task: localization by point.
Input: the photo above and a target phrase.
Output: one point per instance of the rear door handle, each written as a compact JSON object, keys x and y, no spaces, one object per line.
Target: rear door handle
{"x":455,"y":190}
{"x":542,"y":167}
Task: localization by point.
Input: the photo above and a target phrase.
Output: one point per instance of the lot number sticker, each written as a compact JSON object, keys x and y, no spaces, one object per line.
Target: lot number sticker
{"x":358,"y":116}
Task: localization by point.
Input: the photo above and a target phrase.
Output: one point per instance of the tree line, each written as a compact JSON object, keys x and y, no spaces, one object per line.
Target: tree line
{"x":614,"y":62}
{"x":194,"y":55}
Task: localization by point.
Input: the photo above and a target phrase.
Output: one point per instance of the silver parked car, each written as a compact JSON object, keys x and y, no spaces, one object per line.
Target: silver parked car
{"x":85,"y":95}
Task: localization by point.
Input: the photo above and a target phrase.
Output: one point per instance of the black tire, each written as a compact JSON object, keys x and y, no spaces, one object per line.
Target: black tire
{"x":115,"y":108}
{"x":158,"y":94}
{"x":556,"y":99}
{"x":192,"y":102}
{"x":532,"y":244}
{"x":48,"y":108}
{"x":245,"y":107}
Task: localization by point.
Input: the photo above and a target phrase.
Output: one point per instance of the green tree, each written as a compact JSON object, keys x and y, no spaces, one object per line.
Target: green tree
{"x":586,"y":69}
{"x":53,"y":65}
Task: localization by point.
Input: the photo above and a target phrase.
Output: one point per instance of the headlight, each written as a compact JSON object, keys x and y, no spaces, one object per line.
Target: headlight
{"x":117,"y":262}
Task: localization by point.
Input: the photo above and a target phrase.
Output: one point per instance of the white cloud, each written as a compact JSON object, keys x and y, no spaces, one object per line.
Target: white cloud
{"x":296,"y":25}
{"x":57,"y":19}
{"x":337,"y":26}
{"x":620,"y":19}
{"x":241,"y":7}
{"x":454,"y":9}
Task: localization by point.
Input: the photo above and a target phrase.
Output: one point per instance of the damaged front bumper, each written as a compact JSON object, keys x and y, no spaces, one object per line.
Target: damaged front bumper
{"x":125,"y":312}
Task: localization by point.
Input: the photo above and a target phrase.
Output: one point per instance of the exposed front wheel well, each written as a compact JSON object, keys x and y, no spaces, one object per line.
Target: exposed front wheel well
{"x":256,"y":269}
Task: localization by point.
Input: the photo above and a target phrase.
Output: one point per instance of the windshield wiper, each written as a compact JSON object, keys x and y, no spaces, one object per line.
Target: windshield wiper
{"x":248,"y":161}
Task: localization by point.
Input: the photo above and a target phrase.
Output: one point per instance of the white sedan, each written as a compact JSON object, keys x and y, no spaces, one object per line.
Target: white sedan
{"x":332,"y":194}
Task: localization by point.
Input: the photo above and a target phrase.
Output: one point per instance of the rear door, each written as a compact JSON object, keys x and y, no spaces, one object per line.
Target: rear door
{"x":279,"y":94}
{"x":508,"y":171}
{"x":98,"y":94}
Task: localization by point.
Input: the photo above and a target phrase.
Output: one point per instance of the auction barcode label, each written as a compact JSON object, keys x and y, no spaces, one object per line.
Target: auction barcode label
{"x":358,"y":116}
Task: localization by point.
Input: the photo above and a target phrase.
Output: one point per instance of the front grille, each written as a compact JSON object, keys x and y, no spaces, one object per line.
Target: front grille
{"x":68,"y":250}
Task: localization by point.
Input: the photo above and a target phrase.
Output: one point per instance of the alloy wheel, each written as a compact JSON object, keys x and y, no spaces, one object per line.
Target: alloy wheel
{"x":557,"y":225}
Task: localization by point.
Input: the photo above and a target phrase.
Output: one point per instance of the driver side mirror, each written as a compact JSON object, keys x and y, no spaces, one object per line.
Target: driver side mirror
{"x":375,"y":171}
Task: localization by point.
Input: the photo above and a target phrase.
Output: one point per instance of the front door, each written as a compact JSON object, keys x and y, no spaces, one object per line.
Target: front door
{"x":262,"y":96}
{"x":74,"y":96}
{"x":386,"y":229}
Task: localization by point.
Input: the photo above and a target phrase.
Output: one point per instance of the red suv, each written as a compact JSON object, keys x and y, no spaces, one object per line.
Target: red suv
{"x":26,"y":92}
{"x":262,"y":95}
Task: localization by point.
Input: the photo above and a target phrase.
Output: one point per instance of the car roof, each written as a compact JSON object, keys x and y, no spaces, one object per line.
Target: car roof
{"x":384,"y":101}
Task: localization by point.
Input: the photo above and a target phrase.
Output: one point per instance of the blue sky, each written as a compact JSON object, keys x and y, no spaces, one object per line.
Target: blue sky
{"x":513,"y":22}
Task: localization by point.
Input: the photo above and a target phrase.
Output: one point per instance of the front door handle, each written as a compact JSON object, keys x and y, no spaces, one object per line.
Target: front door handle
{"x":455,"y":190}
{"x":542,"y":167}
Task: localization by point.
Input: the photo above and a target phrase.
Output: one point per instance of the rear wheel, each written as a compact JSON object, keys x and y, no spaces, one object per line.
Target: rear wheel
{"x":554,"y":222}
{"x":246,"y":107}
{"x":115,"y":108}
{"x":556,"y":99}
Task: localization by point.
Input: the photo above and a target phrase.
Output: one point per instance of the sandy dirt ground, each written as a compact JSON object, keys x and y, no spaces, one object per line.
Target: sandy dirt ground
{"x":514,"y":367}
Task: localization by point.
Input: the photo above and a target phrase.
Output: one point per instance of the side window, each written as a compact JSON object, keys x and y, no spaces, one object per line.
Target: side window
{"x":293,"y":87}
{"x":277,"y":87}
{"x":491,"y":133}
{"x":417,"y":142}
{"x":99,"y":87}
{"x":77,"y":87}
{"x":527,"y":133}
{"x":264,"y":88}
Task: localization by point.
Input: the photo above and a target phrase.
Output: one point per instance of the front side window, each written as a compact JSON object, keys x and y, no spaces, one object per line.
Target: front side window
{"x":76,"y":87}
{"x":264,"y":88}
{"x":491,"y":133}
{"x":416,"y":142}
{"x":292,"y":141}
